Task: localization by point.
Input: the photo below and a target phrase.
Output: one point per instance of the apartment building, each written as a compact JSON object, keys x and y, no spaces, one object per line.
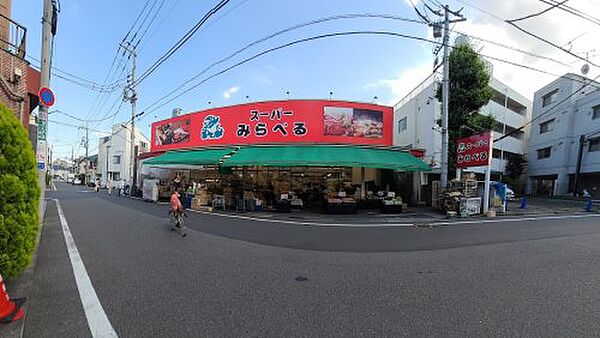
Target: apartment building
{"x":114,"y":154}
{"x":415,"y":125}
{"x":565,"y":111}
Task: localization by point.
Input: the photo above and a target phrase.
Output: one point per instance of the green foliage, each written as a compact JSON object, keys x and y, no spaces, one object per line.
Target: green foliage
{"x":19,"y":196}
{"x":514,"y":167}
{"x":469,"y":91}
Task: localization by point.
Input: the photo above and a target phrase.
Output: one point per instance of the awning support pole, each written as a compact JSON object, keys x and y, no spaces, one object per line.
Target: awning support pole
{"x":363,"y":193}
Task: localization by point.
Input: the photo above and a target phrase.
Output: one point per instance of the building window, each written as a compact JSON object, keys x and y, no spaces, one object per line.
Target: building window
{"x":594,"y":144}
{"x":596,"y":112}
{"x":117,"y":159}
{"x":402,"y":124}
{"x":546,"y":126}
{"x":544,"y":153}
{"x":549,"y":98}
{"x":144,"y":145}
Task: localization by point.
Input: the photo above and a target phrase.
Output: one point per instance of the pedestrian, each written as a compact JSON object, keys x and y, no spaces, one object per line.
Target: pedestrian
{"x":97,"y":185}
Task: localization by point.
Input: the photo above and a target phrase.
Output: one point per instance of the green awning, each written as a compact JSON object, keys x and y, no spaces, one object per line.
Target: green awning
{"x":325,"y":156}
{"x":189,"y":157}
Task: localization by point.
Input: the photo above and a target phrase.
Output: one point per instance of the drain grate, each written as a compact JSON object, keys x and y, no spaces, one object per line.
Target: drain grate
{"x":301,"y":279}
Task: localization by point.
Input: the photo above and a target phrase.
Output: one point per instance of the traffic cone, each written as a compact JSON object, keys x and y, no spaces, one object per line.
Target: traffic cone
{"x":10,"y":310}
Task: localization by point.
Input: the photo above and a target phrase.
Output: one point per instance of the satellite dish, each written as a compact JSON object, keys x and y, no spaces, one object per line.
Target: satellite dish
{"x":585,"y":69}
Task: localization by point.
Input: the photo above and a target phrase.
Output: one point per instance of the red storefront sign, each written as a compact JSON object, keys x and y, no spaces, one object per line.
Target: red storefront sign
{"x":474,"y":151}
{"x":291,"y":121}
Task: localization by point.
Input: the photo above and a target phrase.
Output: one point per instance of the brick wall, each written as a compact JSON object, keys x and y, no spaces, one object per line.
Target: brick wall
{"x":13,"y":92}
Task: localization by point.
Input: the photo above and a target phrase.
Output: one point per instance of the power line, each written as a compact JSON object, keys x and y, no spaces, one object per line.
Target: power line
{"x":181,"y":41}
{"x":573,"y":11}
{"x":280,"y":32}
{"x":80,"y":119}
{"x":149,"y":24}
{"x":75,"y":79}
{"x":526,"y":32}
{"x":432,"y":74}
{"x":162,"y":21}
{"x":153,"y":107}
{"x":538,"y":13}
{"x":136,"y":20}
{"x":331,"y":18}
{"x":143,"y":22}
{"x":550,"y":43}
{"x":514,"y":49}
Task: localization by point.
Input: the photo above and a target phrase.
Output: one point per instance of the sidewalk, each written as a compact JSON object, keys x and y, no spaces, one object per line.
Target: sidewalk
{"x":421,"y":214}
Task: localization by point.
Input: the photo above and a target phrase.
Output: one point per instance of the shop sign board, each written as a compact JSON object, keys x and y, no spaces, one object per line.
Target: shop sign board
{"x":290,"y":121}
{"x":474,"y":151}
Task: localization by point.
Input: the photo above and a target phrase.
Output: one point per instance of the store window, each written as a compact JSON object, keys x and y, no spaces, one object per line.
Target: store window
{"x":402,"y":124}
{"x":549,"y":98}
{"x":546,"y":126}
{"x":596,"y":112}
{"x":594,"y":144}
{"x":544,"y":153}
{"x":117,"y":159}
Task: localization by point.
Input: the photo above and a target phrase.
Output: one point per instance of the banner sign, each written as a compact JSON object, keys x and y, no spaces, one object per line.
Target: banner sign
{"x":474,"y":151}
{"x":291,"y":121}
{"x":41,"y":129}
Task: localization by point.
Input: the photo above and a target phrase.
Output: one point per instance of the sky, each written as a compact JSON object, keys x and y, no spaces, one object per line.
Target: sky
{"x":355,"y":68}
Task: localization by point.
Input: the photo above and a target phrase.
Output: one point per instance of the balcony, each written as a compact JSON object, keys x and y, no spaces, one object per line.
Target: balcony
{"x":12,"y":36}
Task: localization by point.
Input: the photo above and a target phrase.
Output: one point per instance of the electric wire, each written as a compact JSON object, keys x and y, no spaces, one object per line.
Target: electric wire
{"x":181,"y":42}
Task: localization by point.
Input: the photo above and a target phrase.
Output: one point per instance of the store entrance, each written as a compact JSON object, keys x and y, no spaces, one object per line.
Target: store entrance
{"x":284,"y":189}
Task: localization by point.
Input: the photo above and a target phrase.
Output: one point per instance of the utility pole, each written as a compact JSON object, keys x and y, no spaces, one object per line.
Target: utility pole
{"x":86,"y":142}
{"x":129,"y":94}
{"x":446,"y":92}
{"x":578,"y":170}
{"x":46,"y":54}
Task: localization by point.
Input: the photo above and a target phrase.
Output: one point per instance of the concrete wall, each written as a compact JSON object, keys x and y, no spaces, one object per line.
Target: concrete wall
{"x":118,"y":145}
{"x":423,"y":111}
{"x":572,"y":118}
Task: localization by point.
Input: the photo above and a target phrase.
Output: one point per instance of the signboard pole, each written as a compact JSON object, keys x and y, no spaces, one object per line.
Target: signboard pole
{"x":488,"y":174}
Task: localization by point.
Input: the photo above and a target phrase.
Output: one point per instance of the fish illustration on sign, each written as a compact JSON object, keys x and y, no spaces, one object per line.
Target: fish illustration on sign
{"x":212,"y":128}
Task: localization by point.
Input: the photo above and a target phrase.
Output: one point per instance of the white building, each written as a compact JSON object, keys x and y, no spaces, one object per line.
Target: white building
{"x":563,"y":111}
{"x":416,"y":125}
{"x":114,"y":154}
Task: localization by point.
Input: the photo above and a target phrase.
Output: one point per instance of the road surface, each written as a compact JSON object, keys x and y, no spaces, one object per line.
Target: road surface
{"x":242,"y":278}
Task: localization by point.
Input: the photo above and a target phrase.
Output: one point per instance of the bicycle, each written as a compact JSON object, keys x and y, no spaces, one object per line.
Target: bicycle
{"x":177,"y":221}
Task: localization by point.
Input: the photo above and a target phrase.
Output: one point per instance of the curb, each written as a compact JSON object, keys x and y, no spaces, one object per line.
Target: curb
{"x":22,"y":285}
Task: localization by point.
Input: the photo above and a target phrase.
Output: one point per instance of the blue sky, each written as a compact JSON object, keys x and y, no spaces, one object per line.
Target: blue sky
{"x":354,"y":68}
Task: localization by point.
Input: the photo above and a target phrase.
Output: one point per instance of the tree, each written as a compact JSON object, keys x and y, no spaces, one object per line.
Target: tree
{"x":514,"y":167}
{"x":469,"y":91}
{"x":19,"y":196}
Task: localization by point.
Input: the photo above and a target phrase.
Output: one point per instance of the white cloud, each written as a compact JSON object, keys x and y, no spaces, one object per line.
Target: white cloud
{"x":555,"y":25}
{"x":403,"y":83}
{"x":228,"y":93}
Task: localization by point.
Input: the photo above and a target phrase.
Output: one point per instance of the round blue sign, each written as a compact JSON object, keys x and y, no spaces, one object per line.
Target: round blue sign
{"x":46,"y":96}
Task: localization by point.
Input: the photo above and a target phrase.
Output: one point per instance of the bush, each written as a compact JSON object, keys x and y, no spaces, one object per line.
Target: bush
{"x":19,"y":196}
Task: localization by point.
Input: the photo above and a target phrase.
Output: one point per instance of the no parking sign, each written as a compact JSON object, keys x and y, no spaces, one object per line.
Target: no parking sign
{"x":46,"y":96}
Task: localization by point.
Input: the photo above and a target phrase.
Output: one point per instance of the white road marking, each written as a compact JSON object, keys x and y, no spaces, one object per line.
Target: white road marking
{"x":97,"y":320}
{"x":54,"y":186}
{"x":433,"y":222}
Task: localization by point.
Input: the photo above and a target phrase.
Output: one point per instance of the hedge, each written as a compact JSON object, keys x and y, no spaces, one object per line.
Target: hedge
{"x":19,"y":196}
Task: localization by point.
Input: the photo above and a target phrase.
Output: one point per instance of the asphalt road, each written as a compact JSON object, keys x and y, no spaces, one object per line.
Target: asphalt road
{"x":238,"y":278}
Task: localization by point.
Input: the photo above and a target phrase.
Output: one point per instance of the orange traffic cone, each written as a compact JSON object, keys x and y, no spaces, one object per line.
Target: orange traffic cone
{"x":10,"y":310}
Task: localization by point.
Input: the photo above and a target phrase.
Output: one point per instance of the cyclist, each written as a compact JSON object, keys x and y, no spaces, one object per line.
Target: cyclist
{"x":176,"y":210}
